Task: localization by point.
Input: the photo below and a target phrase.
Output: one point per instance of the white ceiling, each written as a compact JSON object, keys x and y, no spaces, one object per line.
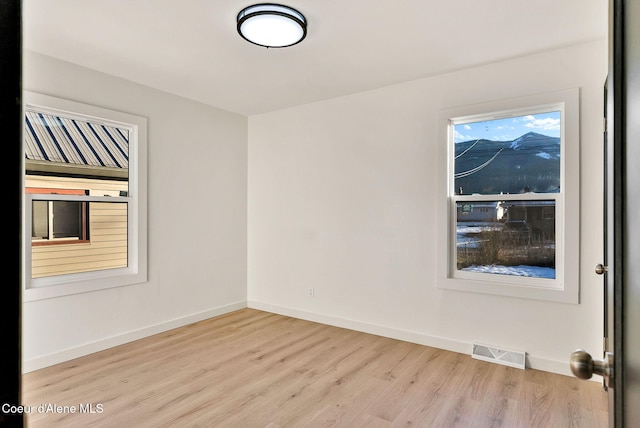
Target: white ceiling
{"x":191,"y":47}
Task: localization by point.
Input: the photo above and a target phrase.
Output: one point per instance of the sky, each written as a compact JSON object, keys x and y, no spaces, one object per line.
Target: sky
{"x":509,"y":128}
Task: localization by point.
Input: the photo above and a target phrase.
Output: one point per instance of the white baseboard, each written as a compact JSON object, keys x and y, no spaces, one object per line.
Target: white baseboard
{"x":378,"y":330}
{"x":100,"y":345}
{"x":553,"y":366}
{"x":544,"y":364}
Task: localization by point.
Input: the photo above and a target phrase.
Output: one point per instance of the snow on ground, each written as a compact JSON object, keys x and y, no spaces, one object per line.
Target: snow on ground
{"x":467,"y":237}
{"x":463,"y":230}
{"x":522,"y":270}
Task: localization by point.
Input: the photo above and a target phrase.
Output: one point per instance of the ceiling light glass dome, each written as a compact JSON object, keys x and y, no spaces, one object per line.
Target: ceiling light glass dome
{"x":272,"y":25}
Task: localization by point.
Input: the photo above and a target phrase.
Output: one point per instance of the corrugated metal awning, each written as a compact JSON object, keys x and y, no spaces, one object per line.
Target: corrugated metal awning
{"x":62,"y":140}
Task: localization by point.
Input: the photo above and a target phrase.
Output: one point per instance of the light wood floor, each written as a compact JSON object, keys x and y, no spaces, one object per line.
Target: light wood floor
{"x":255,"y":369}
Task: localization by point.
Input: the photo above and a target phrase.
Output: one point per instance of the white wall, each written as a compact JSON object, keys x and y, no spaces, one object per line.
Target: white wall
{"x":341,"y":199}
{"x":197,"y":227}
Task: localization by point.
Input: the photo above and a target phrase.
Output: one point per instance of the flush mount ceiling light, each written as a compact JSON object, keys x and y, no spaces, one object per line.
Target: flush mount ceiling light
{"x":272,"y":25}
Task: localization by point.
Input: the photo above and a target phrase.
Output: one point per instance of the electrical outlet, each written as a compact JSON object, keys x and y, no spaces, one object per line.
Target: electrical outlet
{"x":312,"y":292}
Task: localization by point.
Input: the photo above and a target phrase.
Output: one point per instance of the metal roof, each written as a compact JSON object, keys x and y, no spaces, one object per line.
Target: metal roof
{"x":63,"y":140}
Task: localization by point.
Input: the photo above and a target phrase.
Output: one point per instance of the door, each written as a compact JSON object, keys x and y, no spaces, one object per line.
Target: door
{"x":620,"y":364}
{"x":627,"y":299}
{"x":582,"y":364}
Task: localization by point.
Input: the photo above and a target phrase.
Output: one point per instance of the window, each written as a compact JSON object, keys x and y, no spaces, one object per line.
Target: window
{"x":85,"y":197}
{"x":59,"y":222}
{"x":509,"y":187}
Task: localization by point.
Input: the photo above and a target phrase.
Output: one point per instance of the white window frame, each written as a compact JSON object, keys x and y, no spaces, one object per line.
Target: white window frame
{"x":136,"y":200}
{"x":565,"y":287}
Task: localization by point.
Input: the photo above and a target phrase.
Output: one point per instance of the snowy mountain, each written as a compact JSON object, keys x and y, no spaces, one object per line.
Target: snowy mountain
{"x":530,"y":162}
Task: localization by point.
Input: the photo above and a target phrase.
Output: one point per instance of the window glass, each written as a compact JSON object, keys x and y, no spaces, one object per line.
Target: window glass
{"x":519,"y":154}
{"x":56,"y":145}
{"x":40,"y":220}
{"x":71,"y":252}
{"x":67,"y":155}
{"x":507,"y":238}
{"x":511,"y":155}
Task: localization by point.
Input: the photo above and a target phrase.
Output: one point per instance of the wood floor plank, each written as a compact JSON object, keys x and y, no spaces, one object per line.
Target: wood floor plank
{"x":478,"y":380}
{"x":421,"y":410}
{"x":407,"y":383}
{"x":457,"y":411}
{"x":536,"y":404}
{"x":251,"y":368}
{"x":496,"y":412}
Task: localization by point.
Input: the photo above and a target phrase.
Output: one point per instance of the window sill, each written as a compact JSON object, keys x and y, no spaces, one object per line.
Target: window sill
{"x":83,"y":282}
{"x":534,"y":288}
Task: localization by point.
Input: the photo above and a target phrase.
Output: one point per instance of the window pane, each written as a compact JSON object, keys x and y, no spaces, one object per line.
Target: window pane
{"x":507,"y":237}
{"x":40,"y":220}
{"x":107,"y":248}
{"x":74,"y":156}
{"x":61,"y":146}
{"x":510,"y":155}
{"x":67,"y":219}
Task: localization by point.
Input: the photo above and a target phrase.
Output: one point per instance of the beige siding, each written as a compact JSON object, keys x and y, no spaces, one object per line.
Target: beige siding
{"x":107,"y":248}
{"x":95,"y":187}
